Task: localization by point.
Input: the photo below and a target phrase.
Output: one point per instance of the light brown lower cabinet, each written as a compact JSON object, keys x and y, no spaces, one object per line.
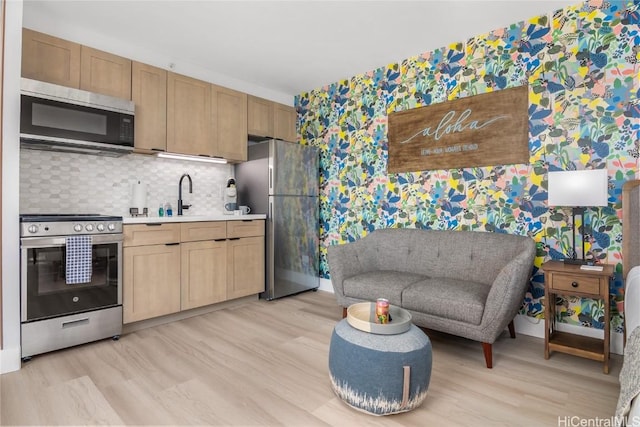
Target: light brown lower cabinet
{"x":151,"y":276}
{"x":179,"y":266}
{"x":204,"y":273}
{"x":245,"y":274}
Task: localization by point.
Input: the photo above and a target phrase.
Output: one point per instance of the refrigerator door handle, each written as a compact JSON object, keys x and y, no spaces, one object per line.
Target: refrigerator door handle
{"x":270,"y":210}
{"x":270,"y":180}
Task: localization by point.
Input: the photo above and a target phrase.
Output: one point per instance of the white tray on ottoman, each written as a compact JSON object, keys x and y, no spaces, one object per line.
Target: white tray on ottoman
{"x":363,"y":316}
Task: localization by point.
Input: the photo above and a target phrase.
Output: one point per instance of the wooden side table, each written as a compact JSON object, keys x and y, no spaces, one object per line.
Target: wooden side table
{"x":570,"y":280}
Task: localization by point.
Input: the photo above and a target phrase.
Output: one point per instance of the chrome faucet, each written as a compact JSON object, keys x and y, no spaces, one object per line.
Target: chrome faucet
{"x":180,"y":205}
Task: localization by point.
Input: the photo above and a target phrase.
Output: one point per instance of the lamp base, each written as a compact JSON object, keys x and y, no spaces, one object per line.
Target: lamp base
{"x":574,"y":261}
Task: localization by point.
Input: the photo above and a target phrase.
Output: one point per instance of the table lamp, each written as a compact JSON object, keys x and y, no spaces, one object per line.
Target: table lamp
{"x":578,"y":189}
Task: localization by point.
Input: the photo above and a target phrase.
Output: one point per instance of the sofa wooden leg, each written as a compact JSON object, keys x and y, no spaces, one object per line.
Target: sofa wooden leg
{"x":512,"y":329}
{"x":344,"y":312}
{"x":488,"y":354}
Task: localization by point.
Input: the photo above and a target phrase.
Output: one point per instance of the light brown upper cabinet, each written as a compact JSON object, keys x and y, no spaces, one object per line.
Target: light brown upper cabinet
{"x":105,"y":73}
{"x":268,"y":119}
{"x":259,"y":117}
{"x":204,"y":119}
{"x":284,"y":119}
{"x":174,"y":112}
{"x":149,"y":92}
{"x":54,"y":60}
{"x":229,"y":112}
{"x":189,"y":119}
{"x":50,"y":59}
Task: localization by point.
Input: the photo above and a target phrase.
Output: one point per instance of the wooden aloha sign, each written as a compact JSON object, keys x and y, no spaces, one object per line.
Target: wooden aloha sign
{"x":481,"y":130}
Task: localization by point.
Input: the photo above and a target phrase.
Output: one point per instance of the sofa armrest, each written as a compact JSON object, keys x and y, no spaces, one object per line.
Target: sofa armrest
{"x":507,"y":293}
{"x":343,"y":263}
{"x":628,"y":399}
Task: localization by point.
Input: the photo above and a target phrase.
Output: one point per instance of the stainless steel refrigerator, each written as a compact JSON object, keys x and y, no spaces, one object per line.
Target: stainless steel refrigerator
{"x":280,"y":179}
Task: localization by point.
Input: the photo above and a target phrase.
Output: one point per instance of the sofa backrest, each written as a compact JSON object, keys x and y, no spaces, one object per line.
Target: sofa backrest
{"x":467,"y":255}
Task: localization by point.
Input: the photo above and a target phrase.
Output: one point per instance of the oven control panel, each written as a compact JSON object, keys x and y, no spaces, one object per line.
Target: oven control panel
{"x":69,"y":228}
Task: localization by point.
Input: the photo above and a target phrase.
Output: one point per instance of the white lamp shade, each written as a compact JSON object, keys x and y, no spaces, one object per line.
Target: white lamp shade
{"x":578,"y":188}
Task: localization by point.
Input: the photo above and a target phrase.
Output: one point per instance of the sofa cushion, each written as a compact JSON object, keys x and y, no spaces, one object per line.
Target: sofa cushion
{"x":380,"y":284}
{"x":448,"y":298}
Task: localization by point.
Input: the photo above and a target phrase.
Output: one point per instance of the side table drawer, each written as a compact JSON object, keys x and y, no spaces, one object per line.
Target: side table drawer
{"x":587,"y":285}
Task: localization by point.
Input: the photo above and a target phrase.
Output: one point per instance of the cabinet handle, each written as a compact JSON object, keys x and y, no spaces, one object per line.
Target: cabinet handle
{"x":574,"y":284}
{"x":172,"y":244}
{"x":158,"y":149}
{"x":219,"y":240}
{"x":234,"y":238}
{"x":153,"y":224}
{"x":247,"y":220}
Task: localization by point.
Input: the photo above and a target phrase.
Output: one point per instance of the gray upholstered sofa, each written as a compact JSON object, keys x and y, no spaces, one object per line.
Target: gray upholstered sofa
{"x":465,"y":283}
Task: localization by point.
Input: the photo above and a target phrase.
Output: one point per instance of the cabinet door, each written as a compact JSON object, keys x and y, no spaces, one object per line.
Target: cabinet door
{"x":230,"y":123}
{"x":204,"y":273}
{"x":245,"y":273}
{"x":188,"y":116}
{"x":105,"y":73}
{"x":285,"y":122}
{"x":149,"y":92}
{"x":259,"y":117}
{"x":151,"y":281}
{"x":50,"y":59}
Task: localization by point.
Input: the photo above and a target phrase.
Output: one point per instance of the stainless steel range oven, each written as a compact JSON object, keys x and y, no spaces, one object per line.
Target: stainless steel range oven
{"x":71,"y":280}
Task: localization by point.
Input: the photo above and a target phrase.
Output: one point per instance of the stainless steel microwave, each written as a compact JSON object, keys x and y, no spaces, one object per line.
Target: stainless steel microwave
{"x":60,"y":118}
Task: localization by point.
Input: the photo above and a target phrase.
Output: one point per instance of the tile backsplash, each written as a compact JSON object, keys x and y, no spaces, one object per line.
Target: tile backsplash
{"x":52,"y":182}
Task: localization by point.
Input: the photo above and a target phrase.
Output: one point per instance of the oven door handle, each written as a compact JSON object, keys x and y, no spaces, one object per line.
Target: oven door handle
{"x":45,"y":242}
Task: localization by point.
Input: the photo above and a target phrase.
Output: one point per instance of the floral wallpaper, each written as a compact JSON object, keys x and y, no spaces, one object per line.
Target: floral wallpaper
{"x":581,"y":66}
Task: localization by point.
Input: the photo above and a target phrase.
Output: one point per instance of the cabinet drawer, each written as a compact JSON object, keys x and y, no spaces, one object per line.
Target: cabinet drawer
{"x":195,"y":231}
{"x":150,"y":234}
{"x":587,"y":285}
{"x":245,"y":228}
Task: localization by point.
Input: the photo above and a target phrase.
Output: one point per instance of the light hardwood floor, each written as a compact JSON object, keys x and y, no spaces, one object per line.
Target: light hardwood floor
{"x":265,"y":363}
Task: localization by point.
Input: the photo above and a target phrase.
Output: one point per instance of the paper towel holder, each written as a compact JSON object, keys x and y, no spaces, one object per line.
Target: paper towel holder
{"x":134,"y":212}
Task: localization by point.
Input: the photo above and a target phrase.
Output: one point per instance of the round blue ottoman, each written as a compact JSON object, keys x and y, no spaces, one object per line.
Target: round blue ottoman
{"x":380,"y":374}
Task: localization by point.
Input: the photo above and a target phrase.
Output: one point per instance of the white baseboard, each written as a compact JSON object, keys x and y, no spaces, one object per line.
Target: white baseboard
{"x":325,"y":285}
{"x":10,"y":359}
{"x":533,"y":327}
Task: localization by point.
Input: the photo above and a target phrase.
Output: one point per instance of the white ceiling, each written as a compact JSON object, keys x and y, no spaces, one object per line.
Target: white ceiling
{"x":283,"y":47}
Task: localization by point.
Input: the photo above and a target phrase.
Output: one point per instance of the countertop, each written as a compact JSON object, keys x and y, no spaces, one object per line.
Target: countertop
{"x":189,"y":218}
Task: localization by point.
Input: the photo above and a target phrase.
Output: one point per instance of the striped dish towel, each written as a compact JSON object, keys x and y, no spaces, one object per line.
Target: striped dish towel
{"x":79,"y":259}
